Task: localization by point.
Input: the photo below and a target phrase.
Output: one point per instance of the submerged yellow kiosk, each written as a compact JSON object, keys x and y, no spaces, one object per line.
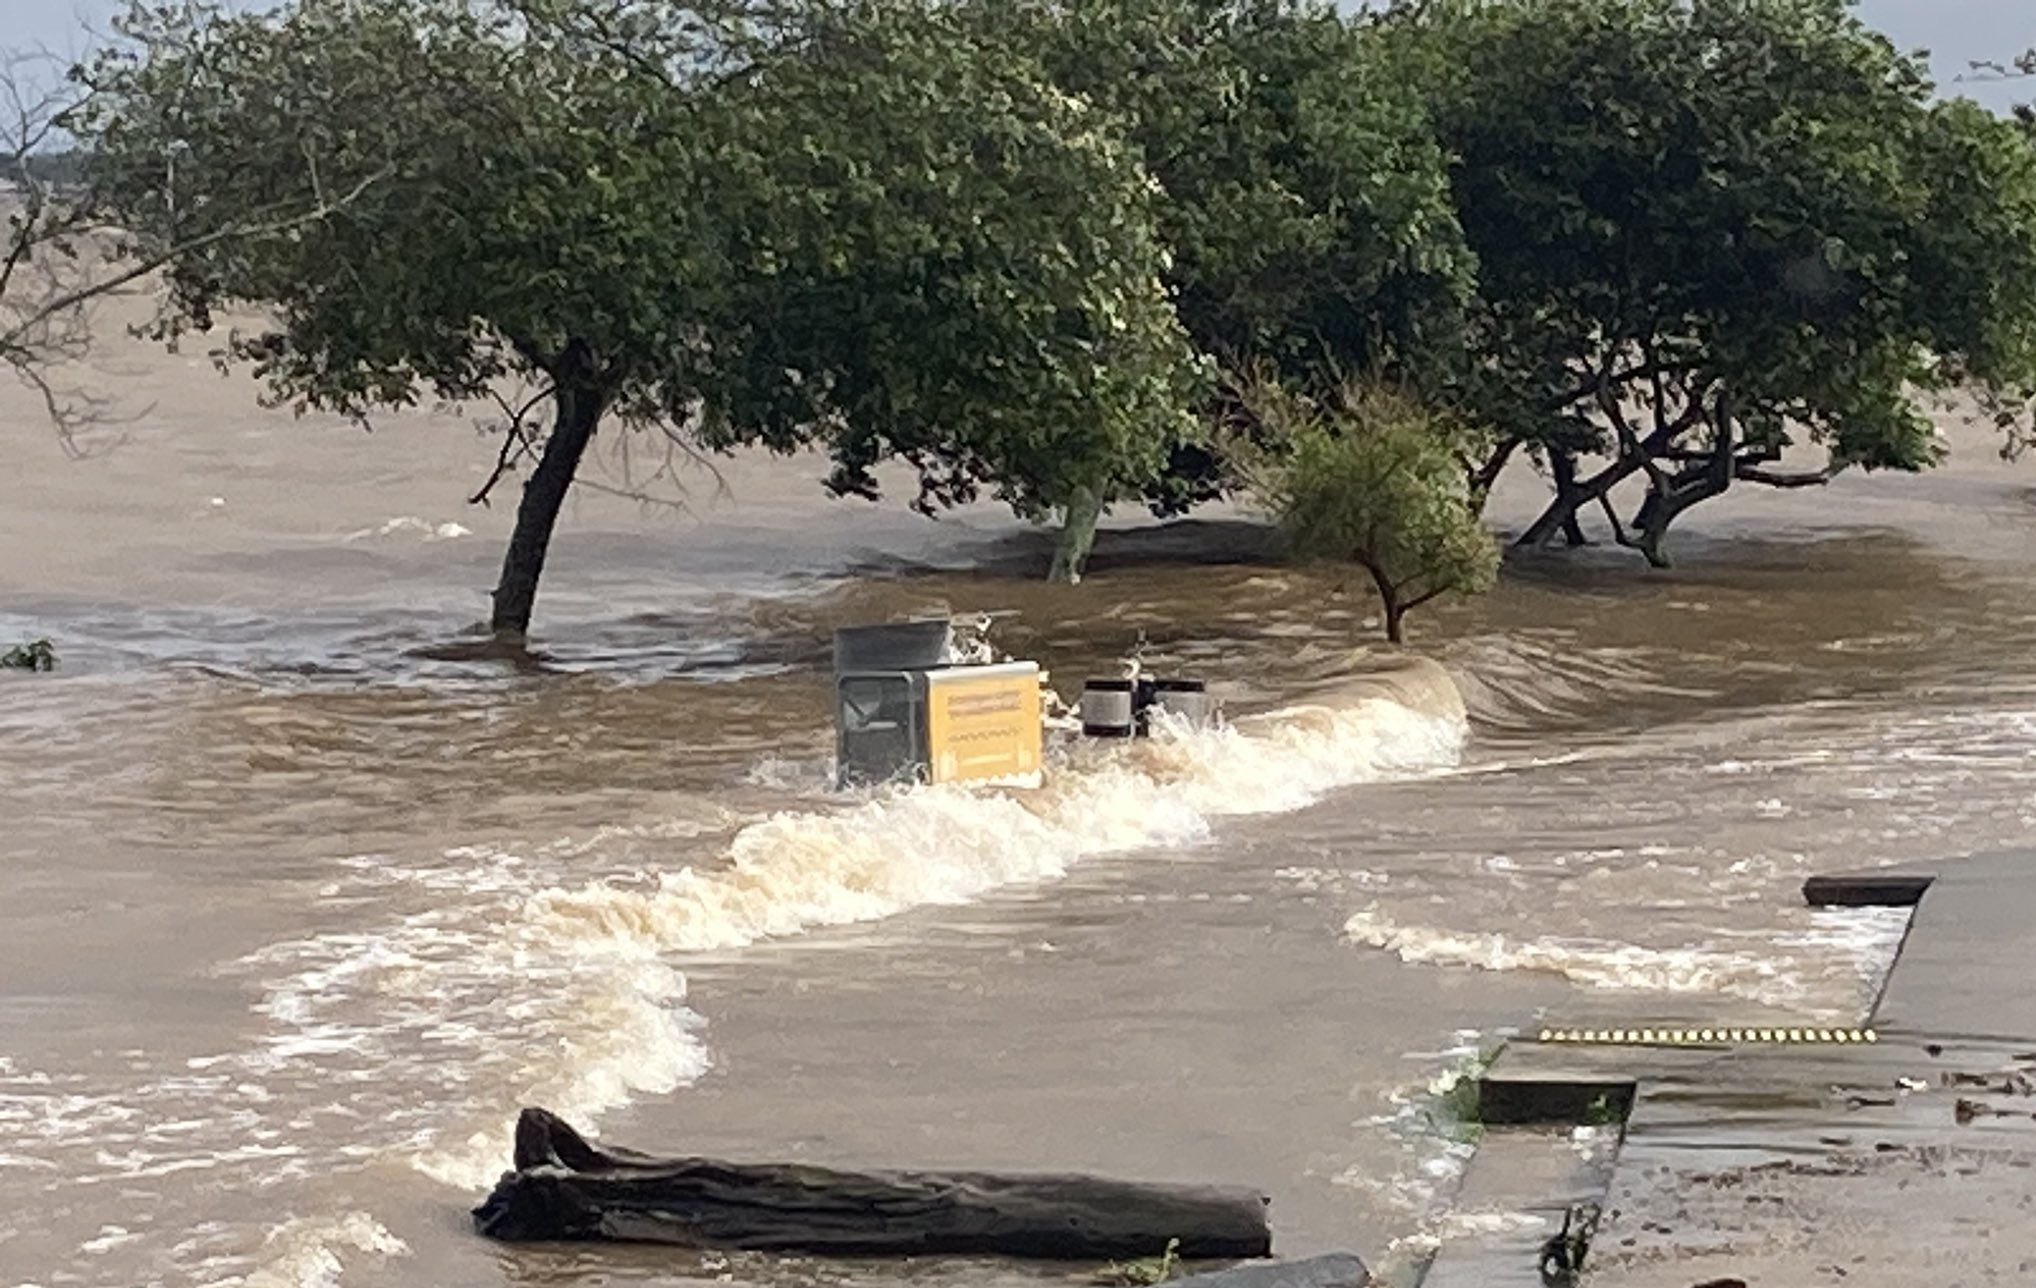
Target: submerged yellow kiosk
{"x":984,"y":722}
{"x":908,"y":708}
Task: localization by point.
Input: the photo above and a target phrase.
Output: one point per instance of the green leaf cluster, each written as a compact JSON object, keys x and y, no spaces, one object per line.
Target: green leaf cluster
{"x":1142,"y":1272}
{"x":504,"y":189}
{"x":1304,"y":198}
{"x":950,"y":261}
{"x":1369,"y":476}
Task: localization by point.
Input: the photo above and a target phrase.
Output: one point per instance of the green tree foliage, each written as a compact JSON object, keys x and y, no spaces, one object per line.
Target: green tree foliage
{"x":1305,"y":201}
{"x":1306,"y":205}
{"x":1013,"y":242}
{"x":957,"y":264}
{"x":62,"y":253}
{"x":722,"y":222}
{"x":528,"y":205}
{"x":1371,"y":477}
{"x":1708,"y":230}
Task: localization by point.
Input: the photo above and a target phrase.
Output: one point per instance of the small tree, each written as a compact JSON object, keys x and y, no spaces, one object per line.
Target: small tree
{"x":1369,"y":476}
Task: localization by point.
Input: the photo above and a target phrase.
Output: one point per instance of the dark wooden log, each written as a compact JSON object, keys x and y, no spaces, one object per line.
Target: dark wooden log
{"x":1333,"y":1270}
{"x":566,"y":1189}
{"x":1867,"y":890}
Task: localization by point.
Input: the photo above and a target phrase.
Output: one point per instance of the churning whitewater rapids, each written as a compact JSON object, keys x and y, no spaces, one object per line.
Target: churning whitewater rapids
{"x":301,"y":907}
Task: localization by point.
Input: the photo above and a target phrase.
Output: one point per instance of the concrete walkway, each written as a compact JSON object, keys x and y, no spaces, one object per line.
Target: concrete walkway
{"x":1908,"y":1159}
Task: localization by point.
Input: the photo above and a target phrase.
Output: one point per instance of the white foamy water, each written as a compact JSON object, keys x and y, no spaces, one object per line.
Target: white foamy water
{"x":448,"y":994}
{"x":469,"y":1009}
{"x":905,"y":848}
{"x":407,"y":1002}
{"x":1857,"y":943}
{"x":900,"y":848}
{"x":1432,"y":1149}
{"x":409,"y":525}
{"x":313,"y":1252}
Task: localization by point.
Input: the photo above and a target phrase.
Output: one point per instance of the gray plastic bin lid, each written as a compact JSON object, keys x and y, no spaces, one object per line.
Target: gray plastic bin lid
{"x":894,"y":646}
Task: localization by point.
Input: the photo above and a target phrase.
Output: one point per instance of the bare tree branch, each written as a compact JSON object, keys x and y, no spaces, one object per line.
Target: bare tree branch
{"x":60,"y":253}
{"x":659,"y":486}
{"x":1987,"y":71}
{"x":144,"y":265}
{"x":518,"y":442}
{"x":1619,"y":533}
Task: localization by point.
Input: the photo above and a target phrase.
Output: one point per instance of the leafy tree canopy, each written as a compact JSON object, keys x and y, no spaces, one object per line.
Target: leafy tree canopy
{"x":527,"y":178}
{"x":1305,"y":201}
{"x":1710,"y":229}
{"x":729,"y":221}
{"x":958,"y":264}
{"x":520,"y":218}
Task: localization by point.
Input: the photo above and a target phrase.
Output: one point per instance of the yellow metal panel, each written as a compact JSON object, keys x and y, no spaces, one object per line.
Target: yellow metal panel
{"x":983,"y":722}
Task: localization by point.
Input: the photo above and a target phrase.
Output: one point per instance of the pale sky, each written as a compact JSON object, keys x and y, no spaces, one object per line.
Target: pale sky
{"x":1955,"y":31}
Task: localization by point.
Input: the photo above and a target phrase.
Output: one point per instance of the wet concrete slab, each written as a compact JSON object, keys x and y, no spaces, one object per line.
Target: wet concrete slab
{"x":1523,"y":1186}
{"x":1966,"y":965}
{"x":1902,"y":1151}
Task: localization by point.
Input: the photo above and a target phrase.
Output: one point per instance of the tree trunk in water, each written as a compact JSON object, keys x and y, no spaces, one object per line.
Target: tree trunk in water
{"x":1394,"y":603}
{"x":1668,"y":498}
{"x":578,"y":412}
{"x":1079,"y":518}
{"x":1570,"y":497}
{"x":1651,"y":523}
{"x":1561,"y":512}
{"x":1564,"y":467}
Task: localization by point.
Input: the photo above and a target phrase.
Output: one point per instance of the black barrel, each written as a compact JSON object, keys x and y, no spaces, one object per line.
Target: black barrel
{"x":1109,"y":708}
{"x":1187,"y":699}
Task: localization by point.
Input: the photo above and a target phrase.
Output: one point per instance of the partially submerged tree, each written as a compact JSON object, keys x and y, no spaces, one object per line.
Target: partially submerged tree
{"x":1303,"y":198}
{"x":958,"y":265}
{"x":546,"y":216}
{"x":1711,"y":232}
{"x":721,"y":221}
{"x":1371,"y":477}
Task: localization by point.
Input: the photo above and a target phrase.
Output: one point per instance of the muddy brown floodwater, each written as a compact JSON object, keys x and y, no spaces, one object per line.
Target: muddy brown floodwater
{"x":299,"y":908}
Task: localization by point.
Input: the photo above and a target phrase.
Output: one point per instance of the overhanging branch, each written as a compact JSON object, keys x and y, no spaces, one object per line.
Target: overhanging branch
{"x":99,"y":288}
{"x":518,"y":443}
